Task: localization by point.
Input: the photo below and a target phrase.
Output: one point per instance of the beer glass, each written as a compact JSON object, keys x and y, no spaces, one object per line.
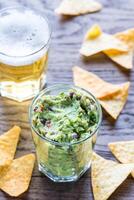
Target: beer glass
{"x":24,"y":42}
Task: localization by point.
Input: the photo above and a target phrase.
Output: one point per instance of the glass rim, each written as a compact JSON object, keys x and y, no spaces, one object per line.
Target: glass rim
{"x":36,"y":11}
{"x":40,"y":94}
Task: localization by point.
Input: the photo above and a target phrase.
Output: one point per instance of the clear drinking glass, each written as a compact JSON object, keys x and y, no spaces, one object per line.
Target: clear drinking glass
{"x":24,"y":43}
{"x":63,"y":162}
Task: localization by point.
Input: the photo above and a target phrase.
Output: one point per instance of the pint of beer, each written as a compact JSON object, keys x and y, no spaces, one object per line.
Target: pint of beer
{"x":24,"y":43}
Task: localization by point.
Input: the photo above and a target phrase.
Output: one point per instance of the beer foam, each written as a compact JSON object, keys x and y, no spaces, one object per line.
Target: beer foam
{"x":22,"y":33}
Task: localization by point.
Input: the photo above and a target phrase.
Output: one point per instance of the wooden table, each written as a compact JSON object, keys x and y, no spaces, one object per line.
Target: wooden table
{"x":66,"y":41}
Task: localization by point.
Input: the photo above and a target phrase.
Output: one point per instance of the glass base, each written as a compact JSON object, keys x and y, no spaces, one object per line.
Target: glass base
{"x":60,"y":179}
{"x":21,"y":91}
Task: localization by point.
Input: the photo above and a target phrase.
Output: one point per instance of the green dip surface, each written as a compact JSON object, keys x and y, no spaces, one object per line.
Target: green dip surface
{"x":66,"y":117}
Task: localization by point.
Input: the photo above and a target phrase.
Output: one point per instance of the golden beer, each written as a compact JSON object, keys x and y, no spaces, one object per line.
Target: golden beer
{"x":24,"y":43}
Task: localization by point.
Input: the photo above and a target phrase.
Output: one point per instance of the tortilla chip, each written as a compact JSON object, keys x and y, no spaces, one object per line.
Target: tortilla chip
{"x":16,"y":179}
{"x":8,"y":144}
{"x":107,"y":176}
{"x":94,"y":32}
{"x":77,"y":7}
{"x":101,"y":43}
{"x":113,"y":104}
{"x":93,"y":83}
{"x":123,"y":151}
{"x":125,"y":59}
{"x":127,"y":37}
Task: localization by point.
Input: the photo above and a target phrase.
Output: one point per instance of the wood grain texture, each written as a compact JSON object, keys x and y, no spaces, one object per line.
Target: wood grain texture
{"x":66,"y":41}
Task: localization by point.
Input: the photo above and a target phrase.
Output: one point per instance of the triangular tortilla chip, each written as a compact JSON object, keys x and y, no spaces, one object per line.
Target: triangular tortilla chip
{"x":77,"y":7}
{"x":127,"y":37}
{"x":123,"y":151}
{"x":8,"y":144}
{"x":93,"y":83}
{"x":107,"y":176}
{"x":101,"y":43}
{"x":94,"y":32}
{"x":16,"y":179}
{"x":114,"y":104}
{"x":125,"y":59}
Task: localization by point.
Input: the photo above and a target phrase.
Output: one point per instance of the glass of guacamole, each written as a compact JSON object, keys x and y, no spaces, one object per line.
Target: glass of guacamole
{"x":64,"y":120}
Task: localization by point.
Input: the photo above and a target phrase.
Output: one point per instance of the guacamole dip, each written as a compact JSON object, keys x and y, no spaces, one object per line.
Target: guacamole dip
{"x":65,"y":121}
{"x":67,"y":117}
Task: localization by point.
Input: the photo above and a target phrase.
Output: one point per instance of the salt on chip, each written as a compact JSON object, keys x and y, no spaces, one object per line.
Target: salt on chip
{"x":77,"y":7}
{"x":101,"y":43}
{"x":91,"y":82}
{"x":16,"y":179}
{"x":123,"y":151}
{"x":8,"y":144}
{"x":124,"y":59}
{"x":107,"y":176}
{"x":113,"y":104}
